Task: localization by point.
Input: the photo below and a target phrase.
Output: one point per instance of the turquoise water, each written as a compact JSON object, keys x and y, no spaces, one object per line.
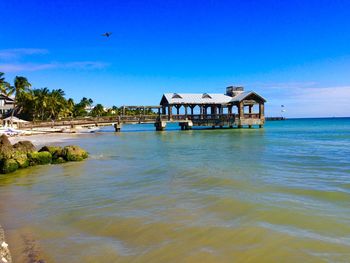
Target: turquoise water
{"x":278,"y":194}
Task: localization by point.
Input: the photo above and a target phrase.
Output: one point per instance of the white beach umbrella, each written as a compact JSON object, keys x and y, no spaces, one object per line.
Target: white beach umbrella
{"x":15,"y":120}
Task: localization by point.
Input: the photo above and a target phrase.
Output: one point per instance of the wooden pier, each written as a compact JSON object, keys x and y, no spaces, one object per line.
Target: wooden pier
{"x":160,"y":122}
{"x":233,"y":109}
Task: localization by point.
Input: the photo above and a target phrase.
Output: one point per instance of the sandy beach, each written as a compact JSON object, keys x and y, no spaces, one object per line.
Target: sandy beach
{"x":49,"y":138}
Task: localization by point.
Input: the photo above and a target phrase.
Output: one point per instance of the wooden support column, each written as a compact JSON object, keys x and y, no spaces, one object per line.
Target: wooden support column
{"x":230,"y":120}
{"x":186,"y":111}
{"x":240,"y":114}
{"x":178,"y":109}
{"x":250,"y":112}
{"x":261,"y":110}
{"x":201,"y":111}
{"x":261,"y":114}
{"x":163,"y":110}
{"x":117,"y":127}
{"x":170,"y":112}
{"x":213,"y":110}
{"x":192,"y":107}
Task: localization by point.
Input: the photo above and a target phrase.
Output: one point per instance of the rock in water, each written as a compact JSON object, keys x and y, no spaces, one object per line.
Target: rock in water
{"x":8,"y":166}
{"x":24,"y":154}
{"x":59,"y":160}
{"x":24,"y":147}
{"x":56,"y":151}
{"x":39,"y":158}
{"x":6,"y":148}
{"x":22,"y":159}
{"x":74,"y":153}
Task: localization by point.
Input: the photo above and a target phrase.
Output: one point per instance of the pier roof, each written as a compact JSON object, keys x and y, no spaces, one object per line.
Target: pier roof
{"x":246,"y":94}
{"x":206,"y":98}
{"x":196,"y":98}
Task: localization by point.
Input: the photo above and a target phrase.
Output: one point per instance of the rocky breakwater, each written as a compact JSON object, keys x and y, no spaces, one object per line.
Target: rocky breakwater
{"x":24,"y":154}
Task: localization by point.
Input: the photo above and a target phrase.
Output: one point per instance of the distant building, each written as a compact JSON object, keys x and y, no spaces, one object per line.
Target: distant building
{"x":89,"y":108}
{"x":6,"y":105}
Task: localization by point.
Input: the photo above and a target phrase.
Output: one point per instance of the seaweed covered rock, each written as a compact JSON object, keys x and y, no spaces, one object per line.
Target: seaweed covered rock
{"x":24,"y":147}
{"x":39,"y":158}
{"x":58,"y":160}
{"x":6,"y":148}
{"x":8,"y":166}
{"x":56,"y":151}
{"x":21,"y":159}
{"x":24,"y":154}
{"x":74,"y":153}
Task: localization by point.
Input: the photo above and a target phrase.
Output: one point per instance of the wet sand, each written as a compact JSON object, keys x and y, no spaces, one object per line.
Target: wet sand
{"x":47,"y":139}
{"x":5,"y":256}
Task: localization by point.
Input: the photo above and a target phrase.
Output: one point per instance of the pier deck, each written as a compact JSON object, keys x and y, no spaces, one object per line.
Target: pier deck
{"x":159,"y":121}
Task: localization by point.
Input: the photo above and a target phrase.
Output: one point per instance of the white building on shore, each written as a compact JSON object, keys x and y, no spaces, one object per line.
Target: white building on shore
{"x":6,"y":105}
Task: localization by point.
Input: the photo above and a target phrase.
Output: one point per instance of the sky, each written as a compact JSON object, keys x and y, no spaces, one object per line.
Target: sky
{"x":293,"y":53}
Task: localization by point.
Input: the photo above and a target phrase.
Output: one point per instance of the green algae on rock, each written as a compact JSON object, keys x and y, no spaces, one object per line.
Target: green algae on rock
{"x":74,"y":153}
{"x":24,"y":147}
{"x":39,"y":158}
{"x":21,"y":159}
{"x":56,"y":151}
{"x":8,"y":166}
{"x":24,"y":154}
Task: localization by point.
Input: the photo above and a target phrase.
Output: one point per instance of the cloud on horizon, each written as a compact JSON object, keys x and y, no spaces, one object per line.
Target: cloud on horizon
{"x":19,"y":67}
{"x":15,"y":53}
{"x":10,"y":61}
{"x":308,"y":100}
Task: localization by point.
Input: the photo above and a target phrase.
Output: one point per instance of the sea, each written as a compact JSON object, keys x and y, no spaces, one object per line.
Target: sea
{"x":276,"y":194}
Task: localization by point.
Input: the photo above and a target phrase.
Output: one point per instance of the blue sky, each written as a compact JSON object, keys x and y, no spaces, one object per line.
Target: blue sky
{"x":295,"y":53}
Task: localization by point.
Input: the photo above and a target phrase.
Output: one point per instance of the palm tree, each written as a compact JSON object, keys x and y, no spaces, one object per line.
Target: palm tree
{"x":98,"y":110}
{"x":70,"y":107}
{"x":4,"y":85}
{"x":21,"y":84}
{"x":56,"y":103}
{"x":41,"y":101}
{"x":81,"y":107}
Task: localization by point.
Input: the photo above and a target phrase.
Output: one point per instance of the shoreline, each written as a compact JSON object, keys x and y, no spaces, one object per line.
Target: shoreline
{"x":47,"y":138}
{"x":38,"y":140}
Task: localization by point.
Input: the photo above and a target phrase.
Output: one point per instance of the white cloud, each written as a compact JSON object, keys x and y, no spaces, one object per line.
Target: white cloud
{"x":15,"y":53}
{"x":19,"y":67}
{"x":309,"y":101}
{"x":323,"y":101}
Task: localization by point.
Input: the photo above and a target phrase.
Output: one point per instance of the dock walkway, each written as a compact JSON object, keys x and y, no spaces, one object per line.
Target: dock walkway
{"x":160,"y":121}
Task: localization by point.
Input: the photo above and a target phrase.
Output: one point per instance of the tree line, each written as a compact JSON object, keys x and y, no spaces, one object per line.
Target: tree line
{"x":46,"y":104}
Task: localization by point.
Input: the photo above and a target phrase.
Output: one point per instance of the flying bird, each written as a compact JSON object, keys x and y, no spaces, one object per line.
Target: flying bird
{"x":107,"y":34}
